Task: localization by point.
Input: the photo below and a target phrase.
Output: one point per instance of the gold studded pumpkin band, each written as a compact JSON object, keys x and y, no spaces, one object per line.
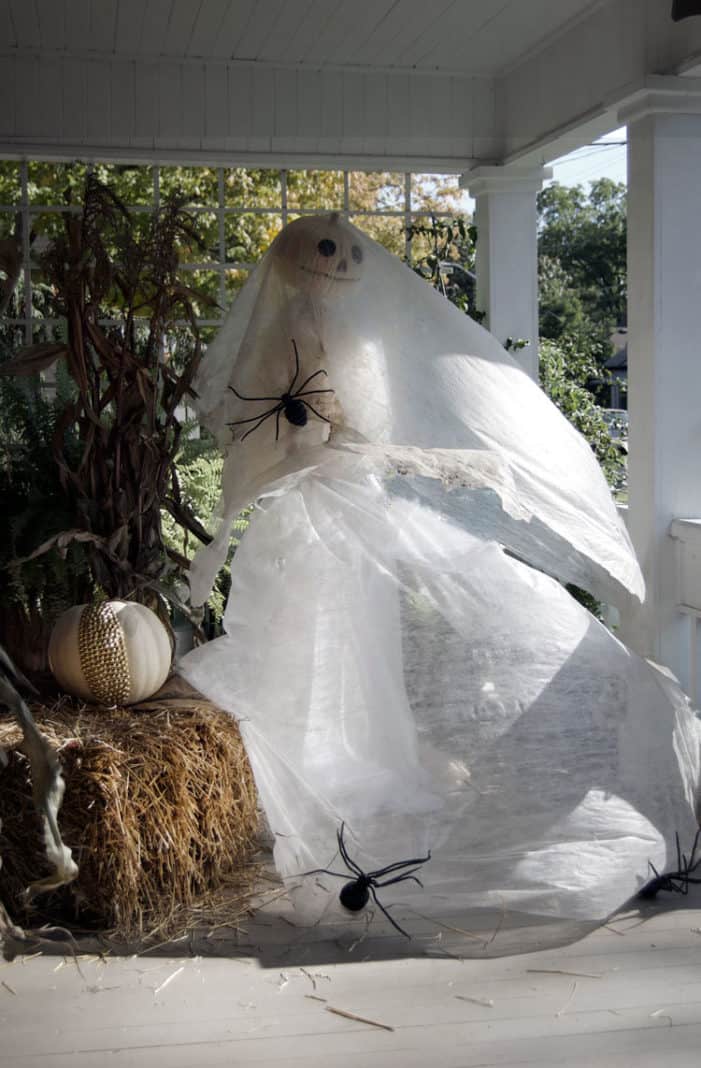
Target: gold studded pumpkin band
{"x":103,"y":654}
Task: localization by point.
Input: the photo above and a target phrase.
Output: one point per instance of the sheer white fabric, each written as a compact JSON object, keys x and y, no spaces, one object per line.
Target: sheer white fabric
{"x":395,"y":655}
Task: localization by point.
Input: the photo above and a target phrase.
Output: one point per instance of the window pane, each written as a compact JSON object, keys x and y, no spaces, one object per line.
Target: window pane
{"x":9,"y":182}
{"x":234,"y":280}
{"x":45,"y":227}
{"x":198,"y":185}
{"x":133,"y":184}
{"x":377,"y":191}
{"x":422,"y":237}
{"x":388,"y":231}
{"x":315,"y":190}
{"x":207,"y":284}
{"x":252,"y":188}
{"x":203,"y":247}
{"x":11,"y":264}
{"x":248,"y":236}
{"x":55,"y":183}
{"x":437,"y":193}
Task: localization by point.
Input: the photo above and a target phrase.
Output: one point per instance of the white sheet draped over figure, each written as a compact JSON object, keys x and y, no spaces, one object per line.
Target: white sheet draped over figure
{"x":399,"y":648}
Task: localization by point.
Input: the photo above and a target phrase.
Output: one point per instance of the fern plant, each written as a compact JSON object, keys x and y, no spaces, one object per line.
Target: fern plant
{"x":37,"y":584}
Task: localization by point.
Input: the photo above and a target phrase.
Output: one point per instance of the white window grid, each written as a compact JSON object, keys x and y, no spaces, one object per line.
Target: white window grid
{"x":31,"y":323}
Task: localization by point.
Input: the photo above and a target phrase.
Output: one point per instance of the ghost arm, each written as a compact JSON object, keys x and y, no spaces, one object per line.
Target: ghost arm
{"x":476,"y":489}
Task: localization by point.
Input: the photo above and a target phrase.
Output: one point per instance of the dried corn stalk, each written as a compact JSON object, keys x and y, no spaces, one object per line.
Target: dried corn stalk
{"x":120,"y":470}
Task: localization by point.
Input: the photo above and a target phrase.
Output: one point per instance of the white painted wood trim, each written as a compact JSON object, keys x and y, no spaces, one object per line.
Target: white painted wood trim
{"x":202,"y":157}
{"x":687,"y":534}
{"x":507,"y":253}
{"x":183,"y":110}
{"x":693,"y":616}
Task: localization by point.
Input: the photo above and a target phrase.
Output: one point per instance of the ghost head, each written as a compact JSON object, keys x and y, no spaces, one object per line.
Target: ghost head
{"x":319,"y":254}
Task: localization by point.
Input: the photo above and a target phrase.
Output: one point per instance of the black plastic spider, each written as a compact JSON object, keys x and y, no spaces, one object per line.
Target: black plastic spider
{"x":676,"y":882}
{"x":290,"y":403}
{"x":355,"y":894}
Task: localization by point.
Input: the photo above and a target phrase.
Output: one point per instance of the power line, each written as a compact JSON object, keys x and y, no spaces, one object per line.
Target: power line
{"x":574,"y":157}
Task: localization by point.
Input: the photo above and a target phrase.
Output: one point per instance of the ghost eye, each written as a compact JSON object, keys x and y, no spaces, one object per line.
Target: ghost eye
{"x":357,"y":254}
{"x":327,"y":247}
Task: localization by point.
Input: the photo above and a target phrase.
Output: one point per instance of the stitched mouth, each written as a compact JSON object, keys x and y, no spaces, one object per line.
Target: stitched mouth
{"x":324,"y":274}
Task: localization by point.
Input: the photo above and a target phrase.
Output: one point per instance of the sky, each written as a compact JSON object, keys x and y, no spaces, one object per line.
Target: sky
{"x":605,"y":158}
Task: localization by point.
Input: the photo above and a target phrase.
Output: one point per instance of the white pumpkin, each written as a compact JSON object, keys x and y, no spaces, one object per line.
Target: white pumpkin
{"x":113,"y":653}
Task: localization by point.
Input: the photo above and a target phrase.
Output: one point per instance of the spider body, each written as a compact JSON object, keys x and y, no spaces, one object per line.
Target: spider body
{"x":676,"y":882}
{"x":291,"y":404}
{"x":293,"y":410}
{"x":355,"y":895}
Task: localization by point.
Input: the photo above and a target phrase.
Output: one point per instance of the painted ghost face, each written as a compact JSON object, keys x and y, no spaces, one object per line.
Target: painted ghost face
{"x":320,"y":254}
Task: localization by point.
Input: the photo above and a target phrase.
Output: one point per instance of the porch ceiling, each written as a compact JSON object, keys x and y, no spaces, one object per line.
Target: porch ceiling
{"x":476,"y":37}
{"x":437,"y":86}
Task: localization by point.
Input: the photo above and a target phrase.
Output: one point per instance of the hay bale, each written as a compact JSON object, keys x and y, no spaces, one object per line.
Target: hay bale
{"x":160,"y":810}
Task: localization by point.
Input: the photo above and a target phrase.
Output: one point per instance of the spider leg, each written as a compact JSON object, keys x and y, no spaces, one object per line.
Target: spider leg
{"x":402,"y":879}
{"x":350,"y":864}
{"x":325,"y":871}
{"x":693,"y":863}
{"x":292,"y":383}
{"x":241,"y":396}
{"x":308,"y":380}
{"x":312,"y":392}
{"x":254,"y":418}
{"x":317,"y":414}
{"x":277,"y":424}
{"x":416,"y":861}
{"x":266,"y":416}
{"x":404,"y":875}
{"x":382,"y":908}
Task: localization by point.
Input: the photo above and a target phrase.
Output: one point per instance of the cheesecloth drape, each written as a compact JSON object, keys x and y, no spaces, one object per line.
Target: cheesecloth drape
{"x":399,"y":649}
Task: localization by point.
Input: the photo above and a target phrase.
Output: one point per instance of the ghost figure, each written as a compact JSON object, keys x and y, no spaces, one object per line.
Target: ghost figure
{"x":400,"y":651}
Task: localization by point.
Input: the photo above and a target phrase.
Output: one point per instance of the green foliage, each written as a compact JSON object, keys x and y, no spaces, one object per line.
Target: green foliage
{"x":446,"y":259}
{"x":35,"y":507}
{"x":199,"y":465}
{"x":566,"y":372}
{"x":561,"y":309}
{"x":586,"y":236}
{"x":582,"y":282}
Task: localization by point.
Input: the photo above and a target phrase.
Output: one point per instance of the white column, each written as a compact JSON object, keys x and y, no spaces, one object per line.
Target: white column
{"x":664,"y":358}
{"x":507,"y":253}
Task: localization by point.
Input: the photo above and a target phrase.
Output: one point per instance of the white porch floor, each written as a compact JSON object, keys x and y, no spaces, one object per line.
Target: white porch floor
{"x":628,"y":994}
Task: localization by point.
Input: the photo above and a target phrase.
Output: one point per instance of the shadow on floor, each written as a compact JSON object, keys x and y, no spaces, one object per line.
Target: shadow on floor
{"x":275,"y":940}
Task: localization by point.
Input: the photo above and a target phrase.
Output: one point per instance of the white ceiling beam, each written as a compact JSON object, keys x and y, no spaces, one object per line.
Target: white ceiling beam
{"x":198,"y":157}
